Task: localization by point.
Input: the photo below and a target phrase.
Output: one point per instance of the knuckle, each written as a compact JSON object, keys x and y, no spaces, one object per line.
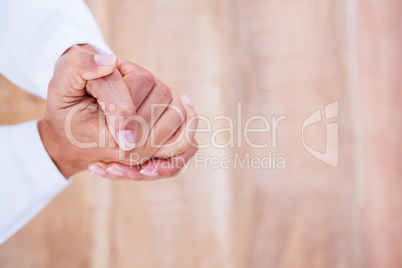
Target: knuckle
{"x":73,"y":58}
{"x":176,"y":119}
{"x":146,"y":78}
{"x":179,"y":109}
{"x":165,"y":93}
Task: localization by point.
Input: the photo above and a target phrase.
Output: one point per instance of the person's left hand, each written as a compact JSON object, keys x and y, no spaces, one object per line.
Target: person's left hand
{"x":184,"y":147}
{"x":173,"y":155}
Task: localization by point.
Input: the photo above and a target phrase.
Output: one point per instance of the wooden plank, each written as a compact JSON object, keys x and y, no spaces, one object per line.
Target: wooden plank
{"x":180,"y":222}
{"x":276,"y":58}
{"x":292,"y":60}
{"x":380,"y":54}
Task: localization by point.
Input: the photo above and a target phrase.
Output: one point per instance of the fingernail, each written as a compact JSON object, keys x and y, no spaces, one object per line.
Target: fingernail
{"x":105,"y":59}
{"x":125,"y":139}
{"x":187,"y":99}
{"x":148,"y":172}
{"x":115,"y":171}
{"x":97,"y":170}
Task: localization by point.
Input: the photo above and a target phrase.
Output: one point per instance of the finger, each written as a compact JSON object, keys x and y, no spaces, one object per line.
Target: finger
{"x":97,"y":168}
{"x":75,"y":68}
{"x":114,"y":97}
{"x":167,"y":124}
{"x":155,"y":104}
{"x":161,"y":168}
{"x":140,"y":82}
{"x":122,"y":171}
{"x":183,"y":137}
{"x":153,"y":170}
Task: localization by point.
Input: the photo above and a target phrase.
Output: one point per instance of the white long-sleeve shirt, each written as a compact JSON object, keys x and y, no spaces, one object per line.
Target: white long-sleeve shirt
{"x":33,"y":35}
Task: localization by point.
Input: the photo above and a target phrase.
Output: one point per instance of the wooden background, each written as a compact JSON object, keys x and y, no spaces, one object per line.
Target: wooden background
{"x":277,"y":58}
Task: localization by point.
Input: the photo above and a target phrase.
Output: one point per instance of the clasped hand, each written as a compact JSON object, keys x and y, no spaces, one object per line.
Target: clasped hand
{"x":115,"y":118}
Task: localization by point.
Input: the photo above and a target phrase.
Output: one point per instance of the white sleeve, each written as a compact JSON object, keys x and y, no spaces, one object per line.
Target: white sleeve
{"x":33,"y":35}
{"x":28,"y":180}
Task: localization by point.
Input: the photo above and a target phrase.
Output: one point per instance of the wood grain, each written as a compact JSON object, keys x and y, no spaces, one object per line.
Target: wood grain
{"x":271,"y":58}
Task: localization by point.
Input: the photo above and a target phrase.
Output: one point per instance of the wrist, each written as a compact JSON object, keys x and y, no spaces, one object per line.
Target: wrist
{"x":54,"y":150}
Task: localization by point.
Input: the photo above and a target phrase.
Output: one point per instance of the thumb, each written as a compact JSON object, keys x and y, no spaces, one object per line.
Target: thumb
{"x":75,"y":68}
{"x":79,"y":73}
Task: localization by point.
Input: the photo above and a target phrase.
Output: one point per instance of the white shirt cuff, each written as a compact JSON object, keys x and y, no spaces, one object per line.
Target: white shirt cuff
{"x":35,"y":159}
